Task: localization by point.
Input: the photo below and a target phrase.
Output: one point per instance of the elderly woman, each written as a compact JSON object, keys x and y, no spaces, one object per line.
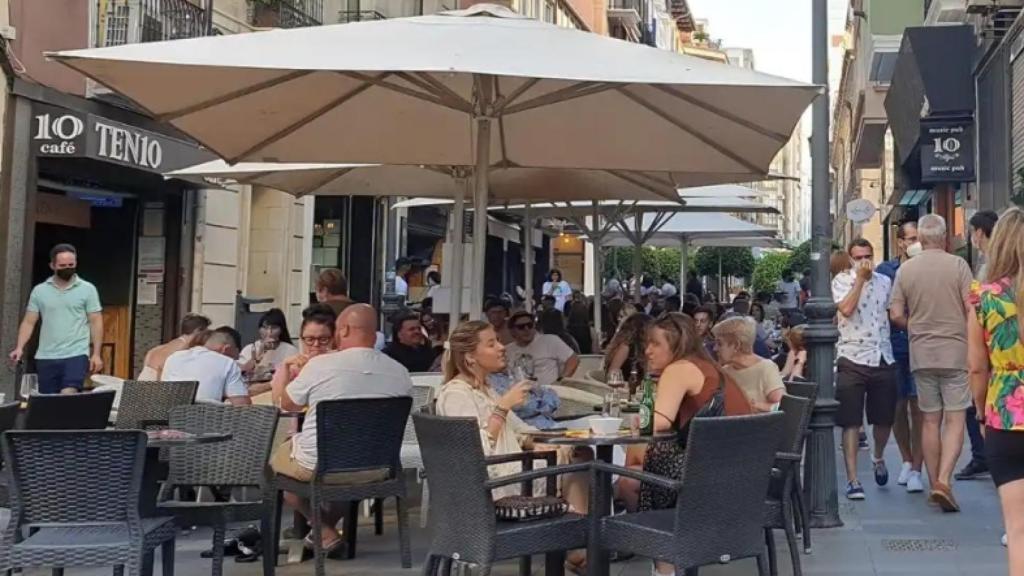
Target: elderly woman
{"x":758,"y":377}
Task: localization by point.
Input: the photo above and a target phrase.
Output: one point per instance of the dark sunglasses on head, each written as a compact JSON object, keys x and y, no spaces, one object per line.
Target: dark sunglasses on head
{"x":525,"y":326}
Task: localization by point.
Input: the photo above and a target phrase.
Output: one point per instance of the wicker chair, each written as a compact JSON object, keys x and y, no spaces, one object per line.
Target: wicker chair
{"x":353,"y":436}
{"x":147,"y":405}
{"x":719,"y":511}
{"x":79,"y":491}
{"x":422,"y":396}
{"x":471,"y":536}
{"x":240,"y":462}
{"x":87,"y":411}
{"x":808,"y":390}
{"x":783,"y":501}
{"x":802,"y":389}
{"x":8,"y":418}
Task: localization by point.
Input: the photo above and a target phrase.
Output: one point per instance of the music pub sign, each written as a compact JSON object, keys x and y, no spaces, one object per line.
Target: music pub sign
{"x":947,"y":150}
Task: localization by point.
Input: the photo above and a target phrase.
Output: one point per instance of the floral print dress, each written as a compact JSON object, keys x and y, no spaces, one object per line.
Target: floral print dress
{"x":995,"y":306}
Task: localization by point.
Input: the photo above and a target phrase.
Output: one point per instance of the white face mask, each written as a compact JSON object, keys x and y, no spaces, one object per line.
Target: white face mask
{"x":914,"y":249}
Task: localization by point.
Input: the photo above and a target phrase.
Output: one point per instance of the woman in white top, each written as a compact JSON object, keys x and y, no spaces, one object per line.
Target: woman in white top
{"x":758,"y":377}
{"x":260,"y":359}
{"x":474,"y":353}
{"x":557,"y":288}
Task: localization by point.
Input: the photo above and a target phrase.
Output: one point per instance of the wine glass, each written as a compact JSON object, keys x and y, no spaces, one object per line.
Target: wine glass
{"x":29,"y":385}
{"x":616,"y":383}
{"x":615,"y":379}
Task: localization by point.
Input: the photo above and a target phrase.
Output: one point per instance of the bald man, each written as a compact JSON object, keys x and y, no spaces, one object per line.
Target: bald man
{"x":356,"y":370}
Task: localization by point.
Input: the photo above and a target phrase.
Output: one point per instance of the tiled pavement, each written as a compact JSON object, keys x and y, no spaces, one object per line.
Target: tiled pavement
{"x":890,"y":533}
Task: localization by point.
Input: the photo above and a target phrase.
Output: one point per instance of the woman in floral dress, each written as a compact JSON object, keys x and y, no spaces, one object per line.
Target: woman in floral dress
{"x":996,"y":361}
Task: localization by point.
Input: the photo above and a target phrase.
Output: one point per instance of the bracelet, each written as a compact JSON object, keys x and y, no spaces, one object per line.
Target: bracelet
{"x":500,"y":412}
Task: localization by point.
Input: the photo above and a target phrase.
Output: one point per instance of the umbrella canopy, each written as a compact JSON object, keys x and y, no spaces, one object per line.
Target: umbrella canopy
{"x":684,"y":226}
{"x":612,"y":208}
{"x":734,"y":190}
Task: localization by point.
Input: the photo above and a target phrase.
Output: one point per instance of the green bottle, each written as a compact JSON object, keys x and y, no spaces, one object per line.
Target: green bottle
{"x":647,"y":408}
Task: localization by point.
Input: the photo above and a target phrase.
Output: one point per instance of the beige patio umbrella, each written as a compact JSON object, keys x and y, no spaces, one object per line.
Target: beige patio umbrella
{"x":474,"y":87}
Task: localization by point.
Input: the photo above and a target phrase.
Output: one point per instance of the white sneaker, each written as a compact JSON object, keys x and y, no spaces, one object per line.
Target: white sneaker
{"x":914,"y":484}
{"x":904,"y":474}
{"x":1003,"y":540}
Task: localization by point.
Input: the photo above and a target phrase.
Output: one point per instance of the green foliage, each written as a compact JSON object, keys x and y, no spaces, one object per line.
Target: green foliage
{"x":659,"y":262}
{"x":768,"y":271}
{"x":800,"y":258}
{"x":736,"y":262}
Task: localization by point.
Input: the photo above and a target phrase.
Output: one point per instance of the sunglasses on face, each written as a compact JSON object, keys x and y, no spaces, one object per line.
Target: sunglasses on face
{"x":315,"y":340}
{"x":523,"y":326}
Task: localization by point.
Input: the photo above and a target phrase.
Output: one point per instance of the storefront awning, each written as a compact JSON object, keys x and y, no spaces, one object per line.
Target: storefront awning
{"x":932,"y":79}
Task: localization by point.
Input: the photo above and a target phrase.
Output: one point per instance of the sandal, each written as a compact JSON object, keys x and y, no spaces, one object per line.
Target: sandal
{"x":329,"y":551}
{"x":577,"y":563}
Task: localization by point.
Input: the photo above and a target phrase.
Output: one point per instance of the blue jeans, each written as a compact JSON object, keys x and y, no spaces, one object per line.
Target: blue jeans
{"x":56,"y":375}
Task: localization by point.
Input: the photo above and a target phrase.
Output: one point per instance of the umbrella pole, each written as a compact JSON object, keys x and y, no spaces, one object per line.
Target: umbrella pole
{"x":458,"y":253}
{"x":483,"y":161}
{"x":721,"y":281}
{"x":637,"y":257}
{"x":528,"y":261}
{"x":596,"y":241}
{"x":684,"y":256}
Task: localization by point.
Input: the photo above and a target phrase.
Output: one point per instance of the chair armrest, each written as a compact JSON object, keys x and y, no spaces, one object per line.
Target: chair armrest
{"x":527,"y":456}
{"x":152,"y":424}
{"x":545,"y":472}
{"x":635,"y":474}
{"x":788,"y":456}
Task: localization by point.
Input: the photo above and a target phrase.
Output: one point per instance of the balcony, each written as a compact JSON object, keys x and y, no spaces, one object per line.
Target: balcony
{"x":346,"y":16}
{"x":132,"y":21}
{"x":624,"y":20}
{"x":286,"y":13}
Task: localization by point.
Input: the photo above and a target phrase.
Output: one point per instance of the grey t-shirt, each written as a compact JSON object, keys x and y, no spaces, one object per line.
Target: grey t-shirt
{"x":352,"y":373}
{"x":547,"y":354}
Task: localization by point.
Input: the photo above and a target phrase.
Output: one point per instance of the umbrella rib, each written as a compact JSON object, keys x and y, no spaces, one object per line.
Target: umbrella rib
{"x":689,"y":130}
{"x":332,"y":175}
{"x":436,"y":89}
{"x":259,"y":87}
{"x":441,"y":88}
{"x":672,"y":91}
{"x":292,"y":128}
{"x":578,"y":90}
{"x":501,"y":124}
{"x":428,"y":97}
{"x":512,"y":96}
{"x":637,"y":182}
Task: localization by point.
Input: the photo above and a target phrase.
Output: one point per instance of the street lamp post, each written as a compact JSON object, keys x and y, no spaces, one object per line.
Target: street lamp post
{"x":821,"y":334}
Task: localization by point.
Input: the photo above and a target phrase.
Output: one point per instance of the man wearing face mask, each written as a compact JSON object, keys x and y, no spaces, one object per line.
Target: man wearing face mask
{"x":907,"y":427}
{"x":70,"y":311}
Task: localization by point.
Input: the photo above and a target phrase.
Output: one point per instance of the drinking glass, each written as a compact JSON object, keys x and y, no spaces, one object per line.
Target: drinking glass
{"x":29,"y":385}
{"x":615,"y":379}
{"x":611,"y":405}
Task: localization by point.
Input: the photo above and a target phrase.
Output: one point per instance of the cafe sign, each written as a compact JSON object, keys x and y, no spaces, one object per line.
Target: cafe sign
{"x":947,"y":150}
{"x":60,"y":132}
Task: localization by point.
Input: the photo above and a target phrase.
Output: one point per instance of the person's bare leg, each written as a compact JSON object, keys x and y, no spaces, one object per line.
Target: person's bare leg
{"x":931,"y":444}
{"x":329,"y":519}
{"x":1011,"y":496}
{"x":628,"y":491}
{"x":901,"y":429}
{"x":952,"y":444}
{"x":851,"y":440}
{"x":880,"y":435}
{"x":916,"y":426}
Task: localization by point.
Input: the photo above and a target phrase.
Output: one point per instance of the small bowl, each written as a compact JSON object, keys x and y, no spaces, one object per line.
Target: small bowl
{"x":605,"y":426}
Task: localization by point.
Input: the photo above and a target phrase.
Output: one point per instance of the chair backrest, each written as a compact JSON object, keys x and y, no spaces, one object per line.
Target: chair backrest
{"x":240,"y":461}
{"x":74,"y":476}
{"x":802,"y":389}
{"x":726,"y":469}
{"x":8,"y":416}
{"x":797,"y":412}
{"x":587,"y":363}
{"x":360,"y":434}
{"x":453,"y":459}
{"x":147,"y":405}
{"x":422,"y":396}
{"x":597,"y":375}
{"x":86,"y":411}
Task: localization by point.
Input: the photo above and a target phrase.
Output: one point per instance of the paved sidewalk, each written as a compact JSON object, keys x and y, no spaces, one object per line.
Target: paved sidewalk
{"x":889,"y":533}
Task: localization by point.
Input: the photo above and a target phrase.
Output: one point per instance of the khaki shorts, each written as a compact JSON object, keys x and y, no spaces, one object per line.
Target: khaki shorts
{"x":942,"y":389}
{"x":283,"y":463}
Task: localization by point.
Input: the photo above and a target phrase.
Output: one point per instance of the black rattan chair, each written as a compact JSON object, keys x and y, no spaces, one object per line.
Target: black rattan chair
{"x":75,"y":502}
{"x":8,"y":419}
{"x":86,"y":411}
{"x":468,"y":534}
{"x":719,"y":509}
{"x":355,"y":435}
{"x":783,"y":502}
{"x":808,"y":390}
{"x":240,"y":462}
{"x":802,"y":389}
{"x":147,"y":405}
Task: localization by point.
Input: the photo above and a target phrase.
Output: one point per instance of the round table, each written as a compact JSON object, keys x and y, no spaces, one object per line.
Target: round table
{"x":155,"y":472}
{"x":597,"y":560}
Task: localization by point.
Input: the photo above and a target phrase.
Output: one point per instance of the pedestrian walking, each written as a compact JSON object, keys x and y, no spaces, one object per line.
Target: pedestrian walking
{"x":996,"y":358}
{"x":982,"y":224}
{"x":71,"y":335}
{"x":865,"y":371}
{"x":906,"y":429}
{"x":930,"y":298}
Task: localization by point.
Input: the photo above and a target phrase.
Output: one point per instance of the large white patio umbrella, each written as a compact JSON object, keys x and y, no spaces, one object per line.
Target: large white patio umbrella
{"x":474,"y":87}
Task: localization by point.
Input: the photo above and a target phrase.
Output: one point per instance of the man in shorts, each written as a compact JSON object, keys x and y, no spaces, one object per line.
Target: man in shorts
{"x":930,"y":298}
{"x":865,"y":374}
{"x":907,"y":427}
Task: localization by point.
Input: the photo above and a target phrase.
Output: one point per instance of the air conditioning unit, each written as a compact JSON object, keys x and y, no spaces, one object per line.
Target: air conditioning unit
{"x":946,"y":12}
{"x":989,"y":6}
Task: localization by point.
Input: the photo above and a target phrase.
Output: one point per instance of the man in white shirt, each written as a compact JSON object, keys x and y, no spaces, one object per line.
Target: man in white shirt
{"x":356,"y":370}
{"x":789,"y":289}
{"x":402,"y":267}
{"x":865,"y":366}
{"x":213,"y":365}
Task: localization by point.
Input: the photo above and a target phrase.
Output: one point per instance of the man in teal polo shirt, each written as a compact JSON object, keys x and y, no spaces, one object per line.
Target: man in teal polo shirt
{"x":70,"y":309}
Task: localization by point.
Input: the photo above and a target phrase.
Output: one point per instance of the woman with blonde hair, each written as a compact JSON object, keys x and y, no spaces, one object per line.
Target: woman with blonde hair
{"x":758,"y":377}
{"x":996,"y":363}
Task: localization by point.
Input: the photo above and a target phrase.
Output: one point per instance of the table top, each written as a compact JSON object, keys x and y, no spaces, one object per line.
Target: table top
{"x":591,"y":439}
{"x":157,"y":439}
